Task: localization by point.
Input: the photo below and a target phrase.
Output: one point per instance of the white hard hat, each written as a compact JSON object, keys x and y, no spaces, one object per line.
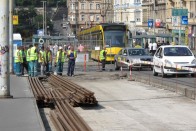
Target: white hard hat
{"x":60,"y":47}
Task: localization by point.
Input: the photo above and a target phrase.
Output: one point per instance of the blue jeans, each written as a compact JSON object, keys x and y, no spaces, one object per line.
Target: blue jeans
{"x":59,"y":68}
{"x":48,"y":67}
{"x":29,"y":69}
{"x":18,"y":69}
{"x":33,"y":68}
{"x":71,"y":66}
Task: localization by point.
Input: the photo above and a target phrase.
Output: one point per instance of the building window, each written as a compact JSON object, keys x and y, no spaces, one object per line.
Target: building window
{"x":82,"y":17}
{"x":72,"y":6}
{"x":137,"y":1}
{"x":91,"y":6}
{"x":97,"y":18}
{"x":97,"y":6}
{"x":137,"y":14}
{"x":82,"y":6}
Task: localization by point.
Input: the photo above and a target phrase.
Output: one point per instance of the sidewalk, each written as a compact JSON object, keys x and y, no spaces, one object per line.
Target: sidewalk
{"x":21,"y":112}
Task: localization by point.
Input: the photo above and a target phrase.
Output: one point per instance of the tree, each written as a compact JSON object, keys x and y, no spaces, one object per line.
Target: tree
{"x":30,"y":22}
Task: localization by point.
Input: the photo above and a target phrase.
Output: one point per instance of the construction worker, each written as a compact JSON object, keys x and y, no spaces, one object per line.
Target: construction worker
{"x":17,"y":60}
{"x":23,"y":60}
{"x":33,"y":60}
{"x":41,"y":60}
{"x":102,"y":57}
{"x":59,"y":61}
{"x":72,"y":55}
{"x":28,"y":59}
{"x":48,"y":59}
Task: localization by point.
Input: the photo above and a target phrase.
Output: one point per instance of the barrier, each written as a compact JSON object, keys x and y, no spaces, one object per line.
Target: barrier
{"x":175,"y":66}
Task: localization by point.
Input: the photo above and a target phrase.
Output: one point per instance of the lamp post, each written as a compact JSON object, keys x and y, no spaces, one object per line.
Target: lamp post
{"x":4,"y":47}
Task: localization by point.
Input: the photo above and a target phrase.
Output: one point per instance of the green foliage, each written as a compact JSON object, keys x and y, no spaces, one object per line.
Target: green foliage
{"x":30,"y":22}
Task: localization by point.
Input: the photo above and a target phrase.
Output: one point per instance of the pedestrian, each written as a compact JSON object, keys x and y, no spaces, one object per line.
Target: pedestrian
{"x":28,"y":59}
{"x":72,"y":55}
{"x":41,"y":60}
{"x":150,"y":47}
{"x":48,"y":60}
{"x":158,"y":44}
{"x":102,"y":57}
{"x":59,"y":61}
{"x":33,"y":60}
{"x":17,"y":60}
{"x":23,"y":54}
{"x":154,"y":48}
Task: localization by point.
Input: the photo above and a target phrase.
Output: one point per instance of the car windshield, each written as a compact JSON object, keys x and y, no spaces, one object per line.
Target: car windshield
{"x":177,"y":51}
{"x":135,"y":52}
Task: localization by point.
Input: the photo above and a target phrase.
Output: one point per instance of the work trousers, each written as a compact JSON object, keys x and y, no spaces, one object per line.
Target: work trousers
{"x":24,"y":65}
{"x":103,"y":64}
{"x":42,"y":68}
{"x":71,"y":66}
{"x":33,"y":68}
{"x":18,"y":69}
{"x":59,"y":68}
{"x":29,"y":70}
{"x":48,"y":67}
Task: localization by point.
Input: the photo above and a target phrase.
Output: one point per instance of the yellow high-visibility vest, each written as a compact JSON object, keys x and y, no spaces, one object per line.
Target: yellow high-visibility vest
{"x":62,"y":57}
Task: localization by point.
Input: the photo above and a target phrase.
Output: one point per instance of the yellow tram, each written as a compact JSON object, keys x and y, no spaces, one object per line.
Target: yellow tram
{"x":113,"y":36}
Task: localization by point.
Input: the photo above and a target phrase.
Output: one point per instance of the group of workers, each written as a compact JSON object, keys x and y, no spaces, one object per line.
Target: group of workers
{"x":33,"y":58}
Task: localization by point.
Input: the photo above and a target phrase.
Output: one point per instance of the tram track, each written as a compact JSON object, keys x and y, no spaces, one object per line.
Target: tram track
{"x":183,"y":81}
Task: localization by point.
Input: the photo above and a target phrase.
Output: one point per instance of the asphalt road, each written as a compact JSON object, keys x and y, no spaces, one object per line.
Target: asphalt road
{"x":146,"y":74}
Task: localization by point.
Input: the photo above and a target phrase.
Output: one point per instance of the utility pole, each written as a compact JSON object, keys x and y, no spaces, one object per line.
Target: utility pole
{"x":43,"y":14}
{"x":154,"y":17}
{"x":4,"y":47}
{"x":11,"y":35}
{"x":180,"y":24}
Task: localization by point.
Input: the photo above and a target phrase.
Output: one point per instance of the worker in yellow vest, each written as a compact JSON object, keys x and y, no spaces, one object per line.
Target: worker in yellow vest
{"x":72,"y":55}
{"x":28,"y":59}
{"x":102,"y":57}
{"x":41,"y":60}
{"x":17,"y":61}
{"x":33,"y":60}
{"x":48,"y":60}
{"x":59,"y":61}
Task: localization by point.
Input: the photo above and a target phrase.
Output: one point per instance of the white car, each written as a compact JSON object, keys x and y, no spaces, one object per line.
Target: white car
{"x":167,"y":57}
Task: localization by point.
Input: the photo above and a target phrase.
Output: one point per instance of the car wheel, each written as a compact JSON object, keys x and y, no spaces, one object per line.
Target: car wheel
{"x":116,"y":66}
{"x":155,"y":73}
{"x":163,"y":74}
{"x":193,"y":75}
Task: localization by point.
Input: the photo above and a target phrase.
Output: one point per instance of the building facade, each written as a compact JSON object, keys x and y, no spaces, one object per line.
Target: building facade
{"x":128,"y":11}
{"x":154,"y":10}
{"x":183,"y":34}
{"x":84,"y":14}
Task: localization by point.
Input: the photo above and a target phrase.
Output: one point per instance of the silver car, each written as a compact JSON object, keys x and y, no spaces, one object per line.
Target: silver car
{"x":133,"y":56}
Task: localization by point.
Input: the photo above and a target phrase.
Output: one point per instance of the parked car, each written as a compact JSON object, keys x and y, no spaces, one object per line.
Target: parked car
{"x":134,"y":56}
{"x":167,"y":57}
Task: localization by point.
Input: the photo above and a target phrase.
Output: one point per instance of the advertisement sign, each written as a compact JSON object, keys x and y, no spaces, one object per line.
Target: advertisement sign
{"x":150,"y":23}
{"x":158,"y":23}
{"x":184,"y":20}
{"x":15,"y":19}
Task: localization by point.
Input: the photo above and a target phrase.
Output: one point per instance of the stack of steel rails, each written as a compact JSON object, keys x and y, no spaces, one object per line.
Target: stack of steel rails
{"x":76,"y":94}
